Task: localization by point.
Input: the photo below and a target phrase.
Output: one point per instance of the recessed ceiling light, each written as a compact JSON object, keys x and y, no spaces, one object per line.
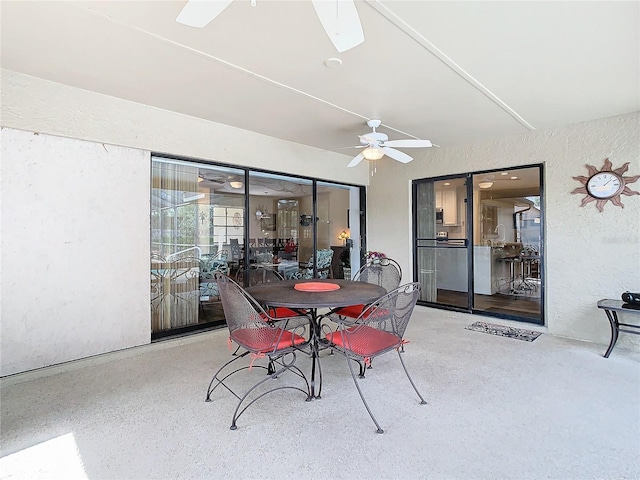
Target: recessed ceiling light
{"x":504,"y":173}
{"x":333,"y":62}
{"x":514,"y":178}
{"x":447,"y":184}
{"x":485,"y":184}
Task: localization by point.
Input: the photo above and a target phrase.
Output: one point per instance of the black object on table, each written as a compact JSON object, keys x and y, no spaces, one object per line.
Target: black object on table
{"x":283,"y":294}
{"x":611,"y":308}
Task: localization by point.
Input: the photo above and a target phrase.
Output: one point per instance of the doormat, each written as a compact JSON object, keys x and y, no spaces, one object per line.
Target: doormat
{"x":503,"y":331}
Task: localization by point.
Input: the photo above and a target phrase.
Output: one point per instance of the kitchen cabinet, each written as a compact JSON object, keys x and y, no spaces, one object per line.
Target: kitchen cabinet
{"x":447,"y":200}
{"x":449,"y":208}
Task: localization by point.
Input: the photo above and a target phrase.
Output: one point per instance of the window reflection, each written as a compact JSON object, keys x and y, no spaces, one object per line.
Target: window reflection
{"x":211,"y":219}
{"x":507,"y":243}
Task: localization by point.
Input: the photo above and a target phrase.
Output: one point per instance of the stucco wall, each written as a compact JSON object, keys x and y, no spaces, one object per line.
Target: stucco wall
{"x":75,"y":249}
{"x":589,"y":255}
{"x":37,"y":105}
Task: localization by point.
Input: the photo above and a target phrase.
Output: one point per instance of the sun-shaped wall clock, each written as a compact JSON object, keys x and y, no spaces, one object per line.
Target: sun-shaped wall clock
{"x":602,"y":186}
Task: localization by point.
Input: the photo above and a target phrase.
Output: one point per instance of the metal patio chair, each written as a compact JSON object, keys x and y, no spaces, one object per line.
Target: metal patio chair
{"x":262,"y":336}
{"x":257,"y":274}
{"x":386,"y":273}
{"x":377,"y":330}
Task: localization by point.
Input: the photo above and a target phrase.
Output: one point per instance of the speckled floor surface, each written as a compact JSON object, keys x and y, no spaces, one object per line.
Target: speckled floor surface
{"x":498,"y":408}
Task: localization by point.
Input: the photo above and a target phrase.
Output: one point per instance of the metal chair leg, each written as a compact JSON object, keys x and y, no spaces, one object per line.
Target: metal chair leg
{"x":422,"y":400}
{"x":355,"y":380}
{"x":290,"y":366}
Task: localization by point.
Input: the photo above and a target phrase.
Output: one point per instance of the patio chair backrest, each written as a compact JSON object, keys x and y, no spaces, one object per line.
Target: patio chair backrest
{"x":249,"y":325}
{"x":385,"y":273}
{"x":390,"y":313}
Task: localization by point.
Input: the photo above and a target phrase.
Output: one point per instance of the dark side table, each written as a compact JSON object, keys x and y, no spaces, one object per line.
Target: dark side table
{"x":611,"y":308}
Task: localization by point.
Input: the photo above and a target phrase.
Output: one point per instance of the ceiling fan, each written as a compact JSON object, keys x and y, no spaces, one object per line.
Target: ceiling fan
{"x":339,"y":18}
{"x":376,"y":145}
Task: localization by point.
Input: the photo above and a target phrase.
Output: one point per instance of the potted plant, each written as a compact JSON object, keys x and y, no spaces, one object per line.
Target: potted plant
{"x":374,"y":257}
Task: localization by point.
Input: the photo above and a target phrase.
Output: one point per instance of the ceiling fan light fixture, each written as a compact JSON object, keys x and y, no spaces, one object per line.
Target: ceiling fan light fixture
{"x":373,"y":153}
{"x":485,"y":184}
{"x":236,"y":184}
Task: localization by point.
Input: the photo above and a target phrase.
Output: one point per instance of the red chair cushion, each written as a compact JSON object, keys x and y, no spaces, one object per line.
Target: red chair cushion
{"x":364,"y":340}
{"x":263,"y":340}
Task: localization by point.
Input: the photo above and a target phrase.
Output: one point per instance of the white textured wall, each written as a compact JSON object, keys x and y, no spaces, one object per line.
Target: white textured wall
{"x":589,"y":255}
{"x":37,"y":105}
{"x":75,"y":214}
{"x":75,"y":249}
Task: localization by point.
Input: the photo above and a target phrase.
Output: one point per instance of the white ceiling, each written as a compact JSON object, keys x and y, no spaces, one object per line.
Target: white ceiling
{"x":451,"y":72}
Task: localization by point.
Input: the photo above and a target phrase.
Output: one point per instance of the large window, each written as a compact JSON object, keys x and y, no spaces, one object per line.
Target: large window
{"x":207,"y":219}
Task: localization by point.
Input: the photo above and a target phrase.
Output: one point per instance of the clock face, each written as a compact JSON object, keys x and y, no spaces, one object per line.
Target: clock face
{"x":605,"y":185}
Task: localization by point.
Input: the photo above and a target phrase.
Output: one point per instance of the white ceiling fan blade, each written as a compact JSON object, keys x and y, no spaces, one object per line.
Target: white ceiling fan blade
{"x":408,"y":143}
{"x":340,"y":20}
{"x":397,"y":154}
{"x":357,"y":159}
{"x":198,"y":13}
{"x":351,"y":146}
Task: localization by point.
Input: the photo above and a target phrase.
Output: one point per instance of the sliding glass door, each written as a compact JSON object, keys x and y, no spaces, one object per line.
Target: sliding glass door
{"x":441,"y":241}
{"x":478,"y":242}
{"x":197,"y":219}
{"x":508,"y":247}
{"x":207,"y":219}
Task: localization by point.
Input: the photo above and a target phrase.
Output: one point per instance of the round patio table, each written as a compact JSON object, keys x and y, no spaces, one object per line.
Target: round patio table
{"x":284,"y":294}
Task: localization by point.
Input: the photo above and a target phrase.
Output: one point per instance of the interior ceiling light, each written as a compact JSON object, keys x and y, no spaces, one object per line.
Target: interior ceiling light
{"x":262,"y":212}
{"x":485,"y":184}
{"x":373,"y":153}
{"x":514,"y":178}
{"x":236,"y":184}
{"x":504,"y":173}
{"x":200,"y":179}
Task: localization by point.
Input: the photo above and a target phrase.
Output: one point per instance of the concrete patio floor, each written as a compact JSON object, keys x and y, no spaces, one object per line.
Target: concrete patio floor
{"x":497,"y":408}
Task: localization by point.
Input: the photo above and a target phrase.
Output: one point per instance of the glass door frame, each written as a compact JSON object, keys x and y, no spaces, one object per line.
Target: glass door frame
{"x":435,"y":240}
{"x":469,"y":235}
{"x":246,"y":173}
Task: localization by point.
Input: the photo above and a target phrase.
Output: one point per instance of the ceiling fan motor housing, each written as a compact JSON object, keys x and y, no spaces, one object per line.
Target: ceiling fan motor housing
{"x":373,"y":138}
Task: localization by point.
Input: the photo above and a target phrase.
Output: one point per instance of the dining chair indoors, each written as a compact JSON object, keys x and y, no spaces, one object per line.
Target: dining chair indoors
{"x":323,"y":267}
{"x":262,"y":336}
{"x":378,"y":329}
{"x":256,"y":273}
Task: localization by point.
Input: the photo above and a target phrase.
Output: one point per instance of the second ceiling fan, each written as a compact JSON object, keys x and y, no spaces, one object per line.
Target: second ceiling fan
{"x":339,"y":18}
